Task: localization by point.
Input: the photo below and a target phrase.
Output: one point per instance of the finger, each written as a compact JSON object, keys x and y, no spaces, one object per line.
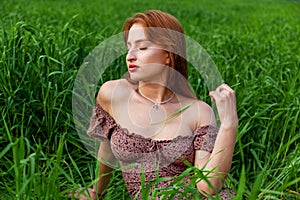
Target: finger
{"x":211,"y":93}
{"x":220,"y":88}
{"x":224,"y":90}
{"x":214,"y":95}
{"x":73,"y":194}
{"x":227,"y":87}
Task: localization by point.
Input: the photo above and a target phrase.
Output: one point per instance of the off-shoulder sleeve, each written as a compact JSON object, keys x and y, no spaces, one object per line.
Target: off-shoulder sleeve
{"x":101,"y":125}
{"x":205,"y":137}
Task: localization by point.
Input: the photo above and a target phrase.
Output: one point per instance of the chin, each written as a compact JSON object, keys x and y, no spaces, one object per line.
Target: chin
{"x":134,"y":77}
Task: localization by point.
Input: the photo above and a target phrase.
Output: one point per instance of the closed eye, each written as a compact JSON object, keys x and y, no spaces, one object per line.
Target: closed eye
{"x":142,"y":48}
{"x":138,"y":49}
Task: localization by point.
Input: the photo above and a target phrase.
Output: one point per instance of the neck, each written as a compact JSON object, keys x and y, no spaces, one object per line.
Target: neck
{"x":155,"y":91}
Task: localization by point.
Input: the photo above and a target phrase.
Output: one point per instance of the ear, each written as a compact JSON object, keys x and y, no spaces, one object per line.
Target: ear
{"x":168,"y":58}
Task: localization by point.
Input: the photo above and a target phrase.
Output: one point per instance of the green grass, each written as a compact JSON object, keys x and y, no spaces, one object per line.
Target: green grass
{"x":255,"y":45}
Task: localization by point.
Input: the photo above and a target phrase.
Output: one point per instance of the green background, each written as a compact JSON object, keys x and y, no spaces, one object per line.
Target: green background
{"x":255,"y":45}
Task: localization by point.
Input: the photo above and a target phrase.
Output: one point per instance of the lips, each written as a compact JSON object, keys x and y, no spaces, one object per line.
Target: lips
{"x":132,"y":67}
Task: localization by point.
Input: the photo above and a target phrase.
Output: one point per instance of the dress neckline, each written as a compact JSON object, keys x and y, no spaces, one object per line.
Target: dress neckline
{"x":198,"y":130}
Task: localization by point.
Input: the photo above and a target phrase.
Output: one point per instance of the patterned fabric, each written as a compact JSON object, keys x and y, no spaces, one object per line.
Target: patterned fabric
{"x":157,"y":158}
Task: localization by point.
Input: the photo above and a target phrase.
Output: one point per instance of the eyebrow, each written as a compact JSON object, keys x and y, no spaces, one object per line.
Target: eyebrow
{"x":139,"y":41}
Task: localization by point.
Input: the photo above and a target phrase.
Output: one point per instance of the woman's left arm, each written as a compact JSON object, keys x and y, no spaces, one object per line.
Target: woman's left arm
{"x":219,"y":161}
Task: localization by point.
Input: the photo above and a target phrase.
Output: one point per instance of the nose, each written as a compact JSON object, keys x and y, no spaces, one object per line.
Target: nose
{"x":131,"y":55}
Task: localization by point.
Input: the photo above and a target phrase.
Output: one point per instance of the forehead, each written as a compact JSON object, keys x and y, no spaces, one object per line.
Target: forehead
{"x":136,"y":33}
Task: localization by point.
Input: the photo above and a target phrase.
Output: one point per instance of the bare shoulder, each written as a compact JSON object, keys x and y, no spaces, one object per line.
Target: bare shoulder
{"x":111,"y":90}
{"x":205,"y":114}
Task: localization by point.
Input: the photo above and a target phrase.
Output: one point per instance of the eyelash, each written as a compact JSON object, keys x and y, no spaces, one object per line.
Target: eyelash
{"x":139,"y":49}
{"x":142,"y":48}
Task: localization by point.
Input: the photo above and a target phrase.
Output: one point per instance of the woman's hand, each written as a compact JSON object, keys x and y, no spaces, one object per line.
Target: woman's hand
{"x":224,"y":97}
{"x":84,"y":195}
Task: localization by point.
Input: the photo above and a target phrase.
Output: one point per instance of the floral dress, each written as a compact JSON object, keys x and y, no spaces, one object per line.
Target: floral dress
{"x":156,"y":158}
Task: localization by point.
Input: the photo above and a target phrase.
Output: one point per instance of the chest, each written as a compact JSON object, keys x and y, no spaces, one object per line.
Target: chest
{"x":163,"y":123}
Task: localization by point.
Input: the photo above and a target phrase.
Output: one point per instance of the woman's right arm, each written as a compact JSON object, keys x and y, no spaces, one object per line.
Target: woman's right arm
{"x":107,"y":160}
{"x":105,"y":155}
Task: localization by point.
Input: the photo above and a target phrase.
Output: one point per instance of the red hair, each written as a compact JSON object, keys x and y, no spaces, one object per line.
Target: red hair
{"x":165,"y":30}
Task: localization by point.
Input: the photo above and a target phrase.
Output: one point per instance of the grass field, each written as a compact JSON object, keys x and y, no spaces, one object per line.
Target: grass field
{"x":255,"y":44}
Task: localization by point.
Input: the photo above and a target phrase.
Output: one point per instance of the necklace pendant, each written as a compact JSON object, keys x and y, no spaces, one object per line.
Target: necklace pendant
{"x":155,"y":106}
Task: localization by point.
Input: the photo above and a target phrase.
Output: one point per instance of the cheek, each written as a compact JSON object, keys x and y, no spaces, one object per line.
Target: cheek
{"x":154,"y":68}
{"x":155,"y":57}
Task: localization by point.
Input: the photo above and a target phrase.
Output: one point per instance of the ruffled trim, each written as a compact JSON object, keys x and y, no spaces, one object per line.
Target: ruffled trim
{"x":102,"y":125}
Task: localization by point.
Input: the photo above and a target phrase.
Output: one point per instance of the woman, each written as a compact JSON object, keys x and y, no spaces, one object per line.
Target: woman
{"x":151,"y":121}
